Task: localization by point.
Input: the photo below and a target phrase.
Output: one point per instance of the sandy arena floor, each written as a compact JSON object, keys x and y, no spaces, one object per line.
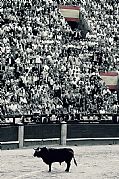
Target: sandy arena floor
{"x":94,"y":162}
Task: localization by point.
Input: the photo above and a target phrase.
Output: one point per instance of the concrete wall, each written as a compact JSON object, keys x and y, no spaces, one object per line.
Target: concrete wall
{"x":42,"y":131}
{"x":92,"y":130}
{"x":8,"y":133}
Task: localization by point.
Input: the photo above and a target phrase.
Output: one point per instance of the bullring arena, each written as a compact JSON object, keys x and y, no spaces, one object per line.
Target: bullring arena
{"x":94,"y":162}
{"x":59,"y":83}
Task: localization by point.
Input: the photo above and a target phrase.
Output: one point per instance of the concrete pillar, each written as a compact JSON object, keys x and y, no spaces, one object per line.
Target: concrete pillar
{"x":63,"y":136}
{"x":21,"y":136}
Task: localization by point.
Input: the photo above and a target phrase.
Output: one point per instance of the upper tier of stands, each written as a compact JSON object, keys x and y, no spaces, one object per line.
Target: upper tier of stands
{"x":45,"y":67}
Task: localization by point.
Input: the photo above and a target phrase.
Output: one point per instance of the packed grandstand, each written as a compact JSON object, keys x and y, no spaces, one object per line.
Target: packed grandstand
{"x":48,"y":68}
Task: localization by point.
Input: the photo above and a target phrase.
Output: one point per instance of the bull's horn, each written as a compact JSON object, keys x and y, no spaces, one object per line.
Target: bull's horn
{"x":36,"y":148}
{"x":43,"y":148}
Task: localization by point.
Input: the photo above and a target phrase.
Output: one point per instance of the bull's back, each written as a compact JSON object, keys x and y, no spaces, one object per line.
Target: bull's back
{"x":60,"y":155}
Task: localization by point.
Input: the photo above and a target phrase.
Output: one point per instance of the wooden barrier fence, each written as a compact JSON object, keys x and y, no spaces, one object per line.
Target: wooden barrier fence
{"x":20,"y":136}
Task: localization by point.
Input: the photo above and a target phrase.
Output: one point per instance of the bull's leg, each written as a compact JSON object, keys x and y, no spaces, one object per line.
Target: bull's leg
{"x":68,"y":166}
{"x":50,"y":167}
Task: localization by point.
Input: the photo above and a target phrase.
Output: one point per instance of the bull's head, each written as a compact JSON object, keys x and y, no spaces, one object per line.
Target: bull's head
{"x":39,"y":152}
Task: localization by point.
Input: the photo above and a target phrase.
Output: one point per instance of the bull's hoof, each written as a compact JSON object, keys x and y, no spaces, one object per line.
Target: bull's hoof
{"x":66,"y":170}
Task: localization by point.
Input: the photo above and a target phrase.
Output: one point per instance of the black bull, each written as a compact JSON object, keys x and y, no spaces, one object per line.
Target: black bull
{"x":52,"y":155}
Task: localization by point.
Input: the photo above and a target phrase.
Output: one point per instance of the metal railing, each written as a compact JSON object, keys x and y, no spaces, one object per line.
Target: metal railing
{"x":72,"y":118}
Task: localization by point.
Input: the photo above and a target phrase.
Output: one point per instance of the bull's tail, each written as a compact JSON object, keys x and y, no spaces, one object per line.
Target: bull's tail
{"x":75,"y":161}
{"x":73,"y":157}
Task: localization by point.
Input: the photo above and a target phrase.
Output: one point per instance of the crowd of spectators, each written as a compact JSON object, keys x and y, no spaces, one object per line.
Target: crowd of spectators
{"x":46,"y":67}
